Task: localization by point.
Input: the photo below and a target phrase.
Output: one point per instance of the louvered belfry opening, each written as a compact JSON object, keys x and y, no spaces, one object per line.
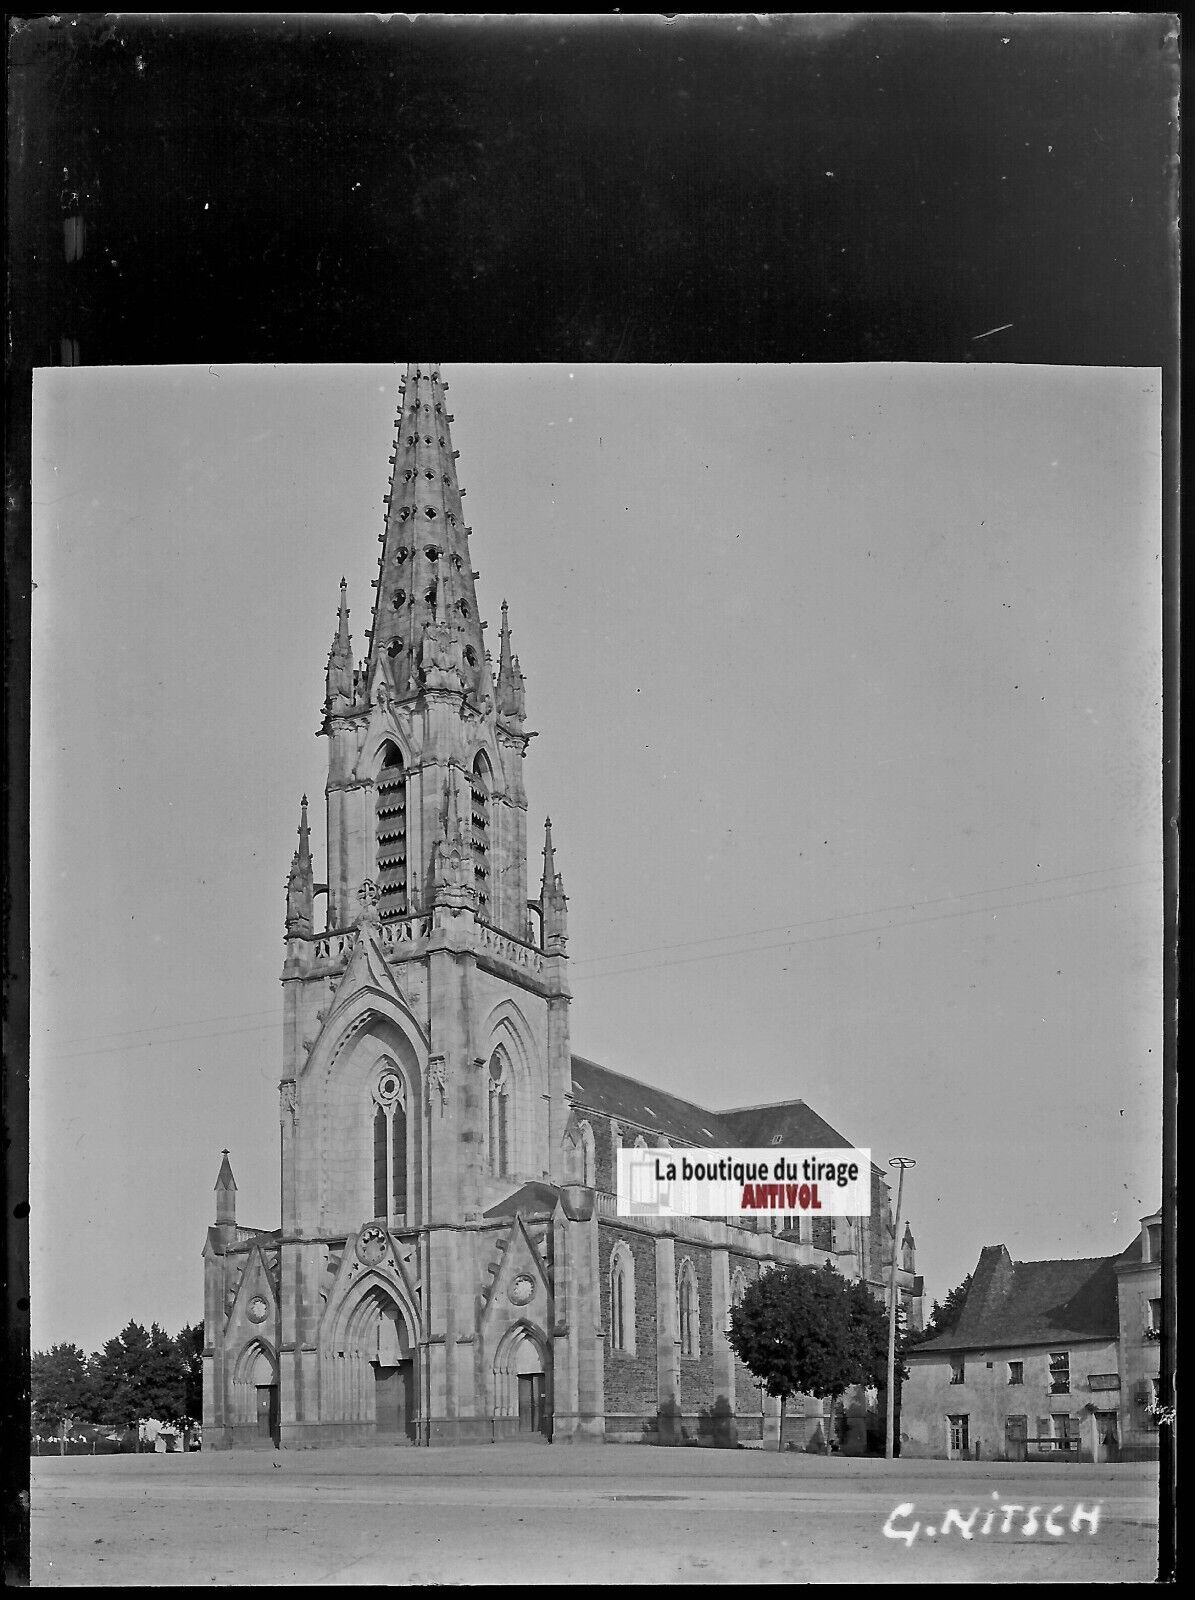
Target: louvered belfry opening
{"x":391,"y":804}
{"x":480,"y":834}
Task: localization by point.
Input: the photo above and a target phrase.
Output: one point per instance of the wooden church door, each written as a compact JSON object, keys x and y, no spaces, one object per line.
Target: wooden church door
{"x":532,"y":1414}
{"x":267,"y":1411}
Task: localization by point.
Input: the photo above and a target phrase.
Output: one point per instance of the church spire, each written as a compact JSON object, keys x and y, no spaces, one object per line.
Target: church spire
{"x":425,"y":579}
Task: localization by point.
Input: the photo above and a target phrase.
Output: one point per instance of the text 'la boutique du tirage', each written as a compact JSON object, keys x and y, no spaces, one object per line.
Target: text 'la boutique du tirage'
{"x":725,"y":1183}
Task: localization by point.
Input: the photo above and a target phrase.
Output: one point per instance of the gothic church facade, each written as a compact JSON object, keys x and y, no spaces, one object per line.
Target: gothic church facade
{"x":450,"y":1266}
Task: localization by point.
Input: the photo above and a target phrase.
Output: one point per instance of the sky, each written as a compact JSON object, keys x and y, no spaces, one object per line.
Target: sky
{"x":847,"y":688}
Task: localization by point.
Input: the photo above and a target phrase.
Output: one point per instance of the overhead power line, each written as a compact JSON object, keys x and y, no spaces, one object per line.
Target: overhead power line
{"x":164,"y":1034}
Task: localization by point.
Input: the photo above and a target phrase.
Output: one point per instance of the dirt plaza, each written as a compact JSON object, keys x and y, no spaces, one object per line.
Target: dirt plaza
{"x":612,"y":1514}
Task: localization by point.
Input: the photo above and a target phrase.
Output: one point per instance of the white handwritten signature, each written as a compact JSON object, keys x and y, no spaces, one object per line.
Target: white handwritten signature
{"x":999,"y":1518}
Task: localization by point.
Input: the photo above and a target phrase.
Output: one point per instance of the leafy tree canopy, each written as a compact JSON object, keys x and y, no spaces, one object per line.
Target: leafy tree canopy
{"x":189,"y":1342}
{"x":61,"y":1391}
{"x":807,"y":1330}
{"x":138,"y":1374}
{"x":944,"y":1316}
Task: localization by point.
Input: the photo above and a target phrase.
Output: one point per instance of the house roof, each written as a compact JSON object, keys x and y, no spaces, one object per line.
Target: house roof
{"x":1034,"y":1302}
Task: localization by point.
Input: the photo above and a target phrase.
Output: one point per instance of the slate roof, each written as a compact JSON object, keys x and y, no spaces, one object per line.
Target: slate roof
{"x":799,"y":1127}
{"x":532,"y":1199}
{"x":639,"y":1106}
{"x":1034,"y":1302}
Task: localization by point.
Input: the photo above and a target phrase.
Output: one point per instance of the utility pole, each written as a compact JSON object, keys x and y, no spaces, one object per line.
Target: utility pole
{"x":903,"y":1162}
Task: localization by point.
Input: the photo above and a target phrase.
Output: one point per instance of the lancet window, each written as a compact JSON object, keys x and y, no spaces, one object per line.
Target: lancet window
{"x":391,"y":805}
{"x":390,"y":1147}
{"x":501,"y":1125}
{"x":687,"y":1310}
{"x":622,"y":1299}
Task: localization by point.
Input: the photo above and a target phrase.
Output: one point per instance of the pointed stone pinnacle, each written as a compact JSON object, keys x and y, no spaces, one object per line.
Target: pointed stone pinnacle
{"x":425,"y":541}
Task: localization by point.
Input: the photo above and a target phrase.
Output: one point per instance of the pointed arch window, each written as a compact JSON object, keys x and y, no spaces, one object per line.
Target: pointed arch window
{"x":688,"y":1310}
{"x":482,"y":785}
{"x":501,"y":1122}
{"x":390,"y":1164}
{"x":622,"y":1299}
{"x":390,"y":799}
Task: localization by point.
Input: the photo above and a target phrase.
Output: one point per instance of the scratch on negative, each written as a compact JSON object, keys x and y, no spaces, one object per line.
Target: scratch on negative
{"x":990,"y":332}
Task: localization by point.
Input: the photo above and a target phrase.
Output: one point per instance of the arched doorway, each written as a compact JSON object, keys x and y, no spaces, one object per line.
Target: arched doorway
{"x":378,"y":1355}
{"x":522,"y":1386}
{"x":255,"y":1394}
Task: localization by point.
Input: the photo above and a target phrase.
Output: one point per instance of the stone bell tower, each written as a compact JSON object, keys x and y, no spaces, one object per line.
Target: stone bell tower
{"x":426,"y":1062}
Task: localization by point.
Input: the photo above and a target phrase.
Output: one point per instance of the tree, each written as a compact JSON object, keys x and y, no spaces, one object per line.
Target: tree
{"x":189,"y":1343}
{"x":60,"y":1390}
{"x":139,"y":1375}
{"x":943,"y":1318}
{"x":164,"y":1379}
{"x":117,"y":1367}
{"x":807,"y":1330}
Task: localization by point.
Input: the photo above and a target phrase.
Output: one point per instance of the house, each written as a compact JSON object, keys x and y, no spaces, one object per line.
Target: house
{"x":450,"y":1265}
{"x":1049,"y":1360}
{"x":1139,"y":1299}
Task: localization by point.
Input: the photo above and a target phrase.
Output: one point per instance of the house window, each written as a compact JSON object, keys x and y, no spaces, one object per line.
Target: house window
{"x":1153,"y":1237}
{"x":960,"y":1438}
{"x":1060,"y":1372}
{"x":1016,"y":1372}
{"x":622,"y":1300}
{"x":958,"y":1369}
{"x":390,"y":800}
{"x":1153,"y":1321}
{"x":390,"y":1147}
{"x":688,"y":1312}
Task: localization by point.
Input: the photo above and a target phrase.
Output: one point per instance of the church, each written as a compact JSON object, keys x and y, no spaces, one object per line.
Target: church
{"x":451,"y":1266}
